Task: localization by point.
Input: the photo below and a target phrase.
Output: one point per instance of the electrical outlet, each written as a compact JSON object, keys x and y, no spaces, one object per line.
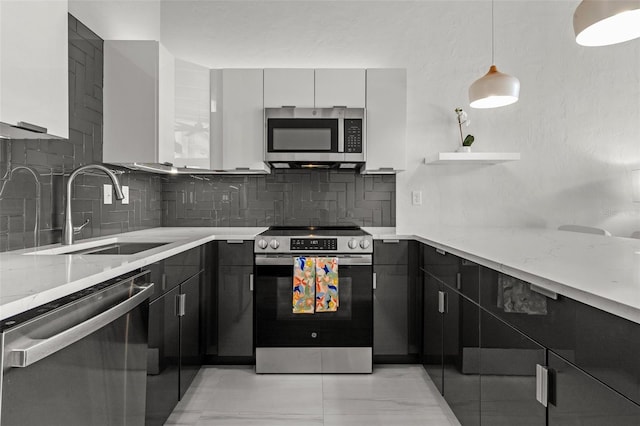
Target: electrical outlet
{"x":125,"y":192}
{"x":416,"y":198}
{"x":108,"y":194}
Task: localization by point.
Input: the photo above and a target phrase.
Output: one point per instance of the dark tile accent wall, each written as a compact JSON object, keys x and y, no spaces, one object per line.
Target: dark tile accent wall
{"x":54,"y":158}
{"x":286,"y":197}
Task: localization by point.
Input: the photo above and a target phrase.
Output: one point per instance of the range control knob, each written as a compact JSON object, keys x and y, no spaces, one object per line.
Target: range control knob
{"x":274,"y":244}
{"x":263,"y":244}
{"x":365,"y":244}
{"x":353,"y":244}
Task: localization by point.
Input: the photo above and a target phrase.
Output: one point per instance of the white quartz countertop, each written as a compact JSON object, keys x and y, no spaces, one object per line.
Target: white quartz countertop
{"x":30,"y":280}
{"x":603,"y":272}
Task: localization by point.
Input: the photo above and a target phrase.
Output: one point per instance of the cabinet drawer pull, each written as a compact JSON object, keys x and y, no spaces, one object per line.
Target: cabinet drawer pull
{"x":440,"y":251}
{"x":250,"y":282}
{"x":542,"y":384}
{"x":31,"y":127}
{"x":543,"y":291}
{"x":181,"y":304}
{"x":442,"y":302}
{"x":390,"y":241}
{"x":375,"y":280}
{"x":458,"y":281}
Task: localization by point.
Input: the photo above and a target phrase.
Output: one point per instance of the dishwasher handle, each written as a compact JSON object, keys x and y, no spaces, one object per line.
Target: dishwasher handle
{"x":42,"y":348}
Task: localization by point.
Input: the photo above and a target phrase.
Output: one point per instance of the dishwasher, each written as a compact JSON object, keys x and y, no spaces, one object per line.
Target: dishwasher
{"x":79,"y":360}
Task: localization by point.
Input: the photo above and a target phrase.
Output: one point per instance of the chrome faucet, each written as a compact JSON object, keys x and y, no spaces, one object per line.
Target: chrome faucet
{"x":69,"y":230}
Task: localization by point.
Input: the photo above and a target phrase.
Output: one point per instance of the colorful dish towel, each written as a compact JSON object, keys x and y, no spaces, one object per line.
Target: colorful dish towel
{"x":327,"y":299}
{"x":304,"y":280}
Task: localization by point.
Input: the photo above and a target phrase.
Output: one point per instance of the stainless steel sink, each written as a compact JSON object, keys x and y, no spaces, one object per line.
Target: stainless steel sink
{"x":117,"y":248}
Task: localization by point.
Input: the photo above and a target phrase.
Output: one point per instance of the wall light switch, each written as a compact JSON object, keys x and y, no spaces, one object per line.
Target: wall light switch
{"x":416,"y":198}
{"x":108,"y":194}
{"x":125,"y":192}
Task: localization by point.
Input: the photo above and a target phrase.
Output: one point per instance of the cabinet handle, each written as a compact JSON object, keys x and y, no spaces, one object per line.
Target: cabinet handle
{"x":390,"y":241}
{"x":443,"y":307}
{"x":542,"y":384}
{"x":250,"y":282}
{"x":235,"y":241}
{"x":440,"y":251}
{"x":31,"y":127}
{"x":375,"y":280}
{"x":339,"y":106}
{"x":164,"y":281}
{"x":288,"y":106}
{"x":543,"y":291}
{"x":458,"y":280}
{"x":181,"y":304}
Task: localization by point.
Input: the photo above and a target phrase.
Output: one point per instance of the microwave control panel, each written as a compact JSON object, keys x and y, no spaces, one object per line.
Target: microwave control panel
{"x":352,"y":135}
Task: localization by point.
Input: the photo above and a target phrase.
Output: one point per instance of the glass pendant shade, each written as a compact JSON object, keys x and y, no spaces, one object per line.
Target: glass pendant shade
{"x":494,"y":89}
{"x":606,"y":22}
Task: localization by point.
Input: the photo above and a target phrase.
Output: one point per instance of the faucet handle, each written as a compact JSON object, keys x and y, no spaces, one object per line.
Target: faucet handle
{"x":77,"y":229}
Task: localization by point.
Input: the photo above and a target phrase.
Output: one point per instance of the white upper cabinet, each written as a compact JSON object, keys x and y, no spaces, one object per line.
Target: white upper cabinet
{"x":242,"y":120}
{"x":288,"y":87}
{"x":308,"y":88}
{"x":34,"y":66}
{"x":193,"y":108}
{"x":340,"y":87}
{"x":386,"y":120}
{"x":139,"y":103}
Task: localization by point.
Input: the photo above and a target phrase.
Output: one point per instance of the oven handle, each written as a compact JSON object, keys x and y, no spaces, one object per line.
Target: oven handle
{"x":365,"y":259}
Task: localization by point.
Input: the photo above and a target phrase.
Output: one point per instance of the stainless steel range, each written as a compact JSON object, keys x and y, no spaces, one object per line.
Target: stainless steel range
{"x":320,"y":342}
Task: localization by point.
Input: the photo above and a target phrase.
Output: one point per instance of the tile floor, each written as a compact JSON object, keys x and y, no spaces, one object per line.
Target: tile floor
{"x":395,"y":395}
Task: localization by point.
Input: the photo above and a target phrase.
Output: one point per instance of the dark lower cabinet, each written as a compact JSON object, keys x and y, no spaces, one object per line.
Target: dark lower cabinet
{"x":461,"y":372}
{"x":506,"y":363}
{"x":432,"y":352}
{"x":175,"y":349}
{"x":163,"y":360}
{"x":191,"y":345}
{"x":235,"y":311}
{"x":580,"y":399}
{"x":390,"y":310}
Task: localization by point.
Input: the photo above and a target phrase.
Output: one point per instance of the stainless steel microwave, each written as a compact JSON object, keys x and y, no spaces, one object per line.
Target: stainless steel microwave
{"x":315,"y":135}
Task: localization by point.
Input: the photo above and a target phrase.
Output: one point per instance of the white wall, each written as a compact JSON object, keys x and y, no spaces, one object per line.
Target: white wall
{"x":577,"y":123}
{"x":119,"y":19}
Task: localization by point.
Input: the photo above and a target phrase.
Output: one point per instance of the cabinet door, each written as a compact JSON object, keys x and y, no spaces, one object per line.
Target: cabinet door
{"x":139,"y":102}
{"x":461,"y":340}
{"x":191,"y":348}
{"x":163,"y":359}
{"x":579,"y":399}
{"x":390,"y":310}
{"x":289,"y":87}
{"x":242,"y":120}
{"x":386,"y":119}
{"x":193,"y":109}
{"x":235,"y":311}
{"x":339,"y":87}
{"x":432,"y":329}
{"x":507,"y":362}
{"x":34,"y":58}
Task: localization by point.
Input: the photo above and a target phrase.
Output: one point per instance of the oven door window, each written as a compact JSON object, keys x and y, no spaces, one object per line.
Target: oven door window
{"x":302,"y":135}
{"x":278,"y":326}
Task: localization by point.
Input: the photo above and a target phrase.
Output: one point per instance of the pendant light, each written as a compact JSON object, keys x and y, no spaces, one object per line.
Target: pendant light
{"x":494,"y":89}
{"x":605,"y":22}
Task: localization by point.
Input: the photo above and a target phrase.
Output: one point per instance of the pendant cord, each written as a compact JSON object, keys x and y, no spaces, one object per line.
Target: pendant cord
{"x":493,"y":60}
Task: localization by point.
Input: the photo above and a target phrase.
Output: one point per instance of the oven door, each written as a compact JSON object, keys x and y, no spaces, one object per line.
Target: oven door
{"x":304,"y":139}
{"x":277,"y":325}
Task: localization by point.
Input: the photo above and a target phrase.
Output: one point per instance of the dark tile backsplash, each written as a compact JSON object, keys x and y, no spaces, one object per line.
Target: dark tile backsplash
{"x":291,"y":197}
{"x":53,"y":158}
{"x":286,"y":197}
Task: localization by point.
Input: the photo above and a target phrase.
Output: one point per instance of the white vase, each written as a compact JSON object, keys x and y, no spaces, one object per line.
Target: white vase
{"x":464,"y":149}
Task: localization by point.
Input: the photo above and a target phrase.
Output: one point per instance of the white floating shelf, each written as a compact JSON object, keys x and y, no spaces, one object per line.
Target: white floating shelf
{"x":473,"y":158}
